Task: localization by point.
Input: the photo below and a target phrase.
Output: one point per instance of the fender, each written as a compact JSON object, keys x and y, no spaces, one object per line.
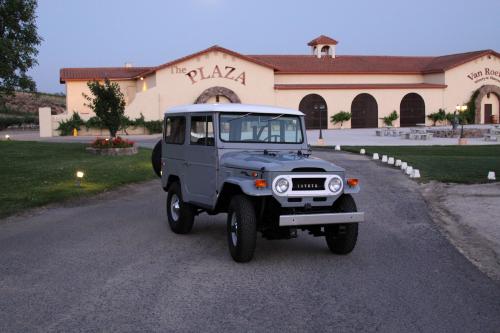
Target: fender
{"x":247,"y":186}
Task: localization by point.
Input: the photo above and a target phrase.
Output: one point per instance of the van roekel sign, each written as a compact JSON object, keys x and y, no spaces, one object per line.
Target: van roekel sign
{"x":483,"y":75}
{"x":320,"y":84}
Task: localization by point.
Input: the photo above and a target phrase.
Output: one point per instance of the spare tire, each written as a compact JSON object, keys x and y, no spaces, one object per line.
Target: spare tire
{"x":156,"y":158}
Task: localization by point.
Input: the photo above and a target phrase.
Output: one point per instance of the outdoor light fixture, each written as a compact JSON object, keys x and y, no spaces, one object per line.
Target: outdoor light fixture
{"x":461,"y":109}
{"x":79,"y":177}
{"x":142,"y":79}
{"x":7,"y":137}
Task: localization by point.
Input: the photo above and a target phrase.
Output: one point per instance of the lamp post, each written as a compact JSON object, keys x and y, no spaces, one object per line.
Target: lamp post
{"x":461,"y":109}
{"x":319,"y":108}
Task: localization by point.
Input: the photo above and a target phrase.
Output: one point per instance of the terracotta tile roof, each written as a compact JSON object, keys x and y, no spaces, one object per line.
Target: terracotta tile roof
{"x":353,"y":64}
{"x":298,"y":64}
{"x":442,"y":63}
{"x":211,"y":49}
{"x":322,"y":40}
{"x":345,"y":64}
{"x":98,"y":73}
{"x":360,"y":86}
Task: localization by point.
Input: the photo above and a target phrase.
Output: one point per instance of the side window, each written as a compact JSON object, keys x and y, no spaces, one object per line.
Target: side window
{"x":175,"y":130}
{"x":202,"y":131}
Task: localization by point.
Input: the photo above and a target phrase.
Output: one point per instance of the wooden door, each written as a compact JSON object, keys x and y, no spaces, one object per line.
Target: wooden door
{"x":487,"y":113}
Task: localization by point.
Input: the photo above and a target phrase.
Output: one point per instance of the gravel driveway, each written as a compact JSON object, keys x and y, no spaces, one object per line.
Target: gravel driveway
{"x":111,"y":264}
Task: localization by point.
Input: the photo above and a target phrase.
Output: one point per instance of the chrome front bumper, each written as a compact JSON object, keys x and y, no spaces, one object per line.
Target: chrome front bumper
{"x":320,"y":219}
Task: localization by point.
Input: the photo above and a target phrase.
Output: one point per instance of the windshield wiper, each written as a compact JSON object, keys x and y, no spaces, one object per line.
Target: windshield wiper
{"x":281,"y":115}
{"x":240,"y":117}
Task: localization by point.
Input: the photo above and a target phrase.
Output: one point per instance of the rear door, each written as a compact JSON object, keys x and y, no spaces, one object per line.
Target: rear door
{"x":201,"y":161}
{"x":173,"y":147}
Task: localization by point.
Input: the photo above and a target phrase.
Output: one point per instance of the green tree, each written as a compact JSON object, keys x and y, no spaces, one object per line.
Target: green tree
{"x":18,"y":45}
{"x":340,"y":117}
{"x":108,"y":104}
{"x":388,"y":120}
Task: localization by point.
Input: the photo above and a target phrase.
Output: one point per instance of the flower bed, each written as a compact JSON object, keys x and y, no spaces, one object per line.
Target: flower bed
{"x":112,"y":147}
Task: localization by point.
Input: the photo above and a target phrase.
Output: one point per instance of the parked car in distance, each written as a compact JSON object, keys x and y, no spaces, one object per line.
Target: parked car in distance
{"x":253,"y":163}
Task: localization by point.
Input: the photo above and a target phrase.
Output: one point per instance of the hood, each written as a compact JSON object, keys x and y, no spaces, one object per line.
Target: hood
{"x":275,"y":161}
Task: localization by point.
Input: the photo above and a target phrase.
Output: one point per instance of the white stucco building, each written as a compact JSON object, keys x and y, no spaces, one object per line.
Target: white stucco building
{"x":319,"y":83}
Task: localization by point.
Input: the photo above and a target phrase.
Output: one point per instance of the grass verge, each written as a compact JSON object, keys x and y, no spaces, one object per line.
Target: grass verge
{"x":33,"y":174}
{"x":449,"y":164}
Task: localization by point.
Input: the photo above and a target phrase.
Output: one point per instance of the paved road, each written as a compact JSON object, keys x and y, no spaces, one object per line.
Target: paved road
{"x":111,"y":264}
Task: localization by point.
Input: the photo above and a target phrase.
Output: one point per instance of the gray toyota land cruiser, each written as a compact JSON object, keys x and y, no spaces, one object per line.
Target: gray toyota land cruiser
{"x":253,"y":163}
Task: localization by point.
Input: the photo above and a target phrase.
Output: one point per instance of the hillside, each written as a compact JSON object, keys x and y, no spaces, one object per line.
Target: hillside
{"x":22,"y":102}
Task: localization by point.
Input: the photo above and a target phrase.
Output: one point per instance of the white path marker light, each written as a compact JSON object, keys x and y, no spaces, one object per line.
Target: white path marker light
{"x":409,"y":170}
{"x":404,"y":165}
{"x":398,"y":163}
{"x":384,"y":158}
{"x":491,"y":175}
{"x":375,"y":156}
{"x":390,"y":161}
{"x":415,"y":174}
{"x":362,"y":151}
{"x":337,"y":147}
{"x":79,"y":178}
{"x":7,"y":137}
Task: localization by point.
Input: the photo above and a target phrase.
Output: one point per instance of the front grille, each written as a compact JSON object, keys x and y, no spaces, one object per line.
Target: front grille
{"x":308,"y":184}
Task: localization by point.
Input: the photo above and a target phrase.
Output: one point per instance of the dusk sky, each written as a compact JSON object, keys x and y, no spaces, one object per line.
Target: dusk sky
{"x":99,"y":33}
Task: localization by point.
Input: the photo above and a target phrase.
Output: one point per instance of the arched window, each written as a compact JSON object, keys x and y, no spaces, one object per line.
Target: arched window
{"x":364,"y":111}
{"x":316,"y":111}
{"x":325,"y":50}
{"x":412,"y":110}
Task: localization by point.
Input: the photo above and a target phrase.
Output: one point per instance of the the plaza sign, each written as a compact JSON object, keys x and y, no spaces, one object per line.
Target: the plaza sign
{"x":485,"y":74}
{"x":222,"y":72}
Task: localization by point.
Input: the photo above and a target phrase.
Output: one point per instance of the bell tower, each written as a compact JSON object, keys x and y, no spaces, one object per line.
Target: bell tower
{"x":323,"y":46}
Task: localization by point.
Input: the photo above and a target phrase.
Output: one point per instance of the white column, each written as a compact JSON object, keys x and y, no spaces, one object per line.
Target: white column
{"x":45,"y":121}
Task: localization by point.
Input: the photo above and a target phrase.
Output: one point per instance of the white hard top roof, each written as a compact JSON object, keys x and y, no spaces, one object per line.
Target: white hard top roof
{"x":231,"y":107}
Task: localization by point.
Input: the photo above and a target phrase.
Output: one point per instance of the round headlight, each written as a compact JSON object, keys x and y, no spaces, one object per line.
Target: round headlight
{"x":281,"y":185}
{"x":335,"y":184}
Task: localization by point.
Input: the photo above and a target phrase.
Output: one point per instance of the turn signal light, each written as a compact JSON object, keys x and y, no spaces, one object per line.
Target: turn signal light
{"x":260,"y":183}
{"x":352,"y":182}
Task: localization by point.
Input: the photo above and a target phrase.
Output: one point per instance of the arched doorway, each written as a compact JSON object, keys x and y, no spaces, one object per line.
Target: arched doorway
{"x":316,"y":111}
{"x":412,"y":110}
{"x":483,"y":95}
{"x":364,"y":111}
{"x":218,"y":94}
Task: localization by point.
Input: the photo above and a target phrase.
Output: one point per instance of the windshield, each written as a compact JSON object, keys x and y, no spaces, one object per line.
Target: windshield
{"x":255,"y":127}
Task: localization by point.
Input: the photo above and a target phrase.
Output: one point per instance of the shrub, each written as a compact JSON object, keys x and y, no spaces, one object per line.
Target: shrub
{"x":154,"y":126}
{"x":388,"y":120}
{"x":5,"y":122}
{"x":66,"y":126}
{"x":340,"y":117}
{"x":437,"y":116}
{"x":117,"y":142}
{"x":450,"y":117}
{"x":94,"y":122}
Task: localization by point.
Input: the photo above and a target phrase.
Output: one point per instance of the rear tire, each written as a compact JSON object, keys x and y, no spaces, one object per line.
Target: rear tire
{"x":180,"y":215}
{"x":241,"y":229}
{"x":156,"y":158}
{"x":341,"y":238}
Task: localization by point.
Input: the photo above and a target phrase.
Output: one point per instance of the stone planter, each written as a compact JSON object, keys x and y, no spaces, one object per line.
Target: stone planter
{"x":113,"y":151}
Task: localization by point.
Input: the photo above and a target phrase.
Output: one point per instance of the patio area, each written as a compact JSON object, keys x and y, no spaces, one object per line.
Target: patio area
{"x":405,"y":136}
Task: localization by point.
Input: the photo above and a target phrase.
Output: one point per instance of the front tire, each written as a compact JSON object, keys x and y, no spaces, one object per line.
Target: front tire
{"x":341,"y":238}
{"x":241,"y":229}
{"x":180,"y":214}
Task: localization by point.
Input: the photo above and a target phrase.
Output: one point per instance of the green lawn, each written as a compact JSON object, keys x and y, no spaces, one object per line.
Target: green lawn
{"x":450,"y":164}
{"x":34,"y":174}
